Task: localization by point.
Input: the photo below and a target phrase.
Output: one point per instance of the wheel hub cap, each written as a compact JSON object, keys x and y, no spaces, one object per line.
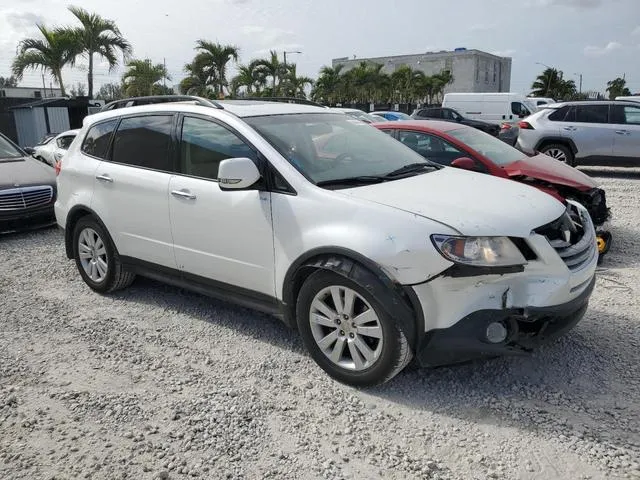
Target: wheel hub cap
{"x":93,"y":255}
{"x":346,"y":328}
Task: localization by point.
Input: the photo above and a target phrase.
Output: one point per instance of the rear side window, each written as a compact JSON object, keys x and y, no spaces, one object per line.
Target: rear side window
{"x":98,"y":137}
{"x":144,"y":142}
{"x":65,"y":142}
{"x":592,"y":113}
{"x":559,"y":115}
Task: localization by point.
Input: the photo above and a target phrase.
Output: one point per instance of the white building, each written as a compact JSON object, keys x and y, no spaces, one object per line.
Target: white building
{"x":473,"y":70}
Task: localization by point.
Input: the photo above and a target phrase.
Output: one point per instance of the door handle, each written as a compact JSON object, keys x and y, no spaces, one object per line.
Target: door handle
{"x":623,"y":132}
{"x":183,"y":194}
{"x":570,"y":129}
{"x":104,"y":178}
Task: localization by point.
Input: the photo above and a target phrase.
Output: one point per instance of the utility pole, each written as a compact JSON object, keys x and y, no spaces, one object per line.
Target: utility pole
{"x":580,"y":88}
{"x":44,"y":86}
{"x":164,"y":80}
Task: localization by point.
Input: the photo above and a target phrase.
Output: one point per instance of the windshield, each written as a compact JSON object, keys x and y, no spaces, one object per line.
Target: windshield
{"x":491,"y":147}
{"x":329,"y":146}
{"x":7,"y":150}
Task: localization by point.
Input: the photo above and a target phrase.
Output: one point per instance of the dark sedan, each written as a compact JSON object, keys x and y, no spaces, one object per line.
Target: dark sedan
{"x":27,"y":189}
{"x":451,"y":115}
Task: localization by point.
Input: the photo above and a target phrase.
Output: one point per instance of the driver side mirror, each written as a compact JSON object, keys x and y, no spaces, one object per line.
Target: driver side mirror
{"x":29,"y":150}
{"x":237,"y":173}
{"x":465,"y":163}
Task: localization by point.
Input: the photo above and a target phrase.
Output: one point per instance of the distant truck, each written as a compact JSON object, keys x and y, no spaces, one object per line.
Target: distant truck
{"x":496,"y":108}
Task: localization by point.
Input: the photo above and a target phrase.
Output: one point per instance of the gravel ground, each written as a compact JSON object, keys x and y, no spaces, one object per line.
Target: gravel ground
{"x":155,"y":382}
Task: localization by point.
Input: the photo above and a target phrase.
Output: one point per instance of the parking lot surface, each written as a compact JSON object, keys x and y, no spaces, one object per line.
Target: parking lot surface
{"x":156,"y":382}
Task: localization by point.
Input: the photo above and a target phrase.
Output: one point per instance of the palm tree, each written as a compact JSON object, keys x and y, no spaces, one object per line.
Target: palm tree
{"x":294,"y":85}
{"x":547,"y":83}
{"x":98,"y":36}
{"x":273,"y":68}
{"x":330,"y":85}
{"x":617,"y":88}
{"x":245,"y":78}
{"x":197,"y":80}
{"x":217,"y":56}
{"x":141,"y":78}
{"x":57,"y":49}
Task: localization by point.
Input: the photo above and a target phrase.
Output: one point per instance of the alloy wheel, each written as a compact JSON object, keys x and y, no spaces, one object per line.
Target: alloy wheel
{"x":557,"y":154}
{"x":93,"y":255}
{"x":346,"y":328}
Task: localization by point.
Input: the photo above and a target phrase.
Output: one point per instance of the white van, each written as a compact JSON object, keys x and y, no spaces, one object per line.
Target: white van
{"x":497,"y":108}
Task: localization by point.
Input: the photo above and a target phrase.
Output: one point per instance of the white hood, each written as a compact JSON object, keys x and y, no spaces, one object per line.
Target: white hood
{"x":474,"y":204}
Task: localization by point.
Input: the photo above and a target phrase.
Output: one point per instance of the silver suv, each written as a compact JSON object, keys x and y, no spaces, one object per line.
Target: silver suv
{"x":585,"y":133}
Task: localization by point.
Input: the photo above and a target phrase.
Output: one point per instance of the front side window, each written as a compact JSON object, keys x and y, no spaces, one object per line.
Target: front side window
{"x":632,"y":115}
{"x":204,"y":144}
{"x":430,"y":146}
{"x":592,"y":113}
{"x":519,"y":109}
{"x":144,"y":142}
{"x":98,"y":137}
{"x":491,"y":147}
{"x":326,"y":147}
{"x":65,"y":142}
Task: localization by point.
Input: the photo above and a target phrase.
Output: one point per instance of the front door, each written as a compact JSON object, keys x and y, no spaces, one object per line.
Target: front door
{"x":222,"y":236}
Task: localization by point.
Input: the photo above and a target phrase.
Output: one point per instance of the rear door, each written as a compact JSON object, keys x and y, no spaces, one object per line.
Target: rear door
{"x":588,"y":126}
{"x":625,"y":121}
{"x":132,"y":189}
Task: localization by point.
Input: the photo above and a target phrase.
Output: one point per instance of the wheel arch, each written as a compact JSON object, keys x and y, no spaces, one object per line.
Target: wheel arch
{"x":74,"y":215}
{"x":557,"y":140}
{"x":400,"y":301}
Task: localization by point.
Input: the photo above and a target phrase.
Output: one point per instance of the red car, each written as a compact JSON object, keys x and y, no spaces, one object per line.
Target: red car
{"x":465,"y":147}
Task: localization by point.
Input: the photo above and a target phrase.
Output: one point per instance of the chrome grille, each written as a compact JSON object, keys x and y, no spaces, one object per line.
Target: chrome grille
{"x":25,"y":197}
{"x":573,"y":237}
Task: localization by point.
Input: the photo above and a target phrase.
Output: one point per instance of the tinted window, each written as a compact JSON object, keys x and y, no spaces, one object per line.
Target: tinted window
{"x":205,"y":144}
{"x":65,"y":142}
{"x":430,"y":146}
{"x":592,"y":113}
{"x":144,"y":142}
{"x":97,"y":140}
{"x":518,"y":108}
{"x":559,"y":115}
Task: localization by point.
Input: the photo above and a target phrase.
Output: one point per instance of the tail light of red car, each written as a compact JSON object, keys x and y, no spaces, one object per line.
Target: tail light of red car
{"x":505,"y":126}
{"x":525,"y":126}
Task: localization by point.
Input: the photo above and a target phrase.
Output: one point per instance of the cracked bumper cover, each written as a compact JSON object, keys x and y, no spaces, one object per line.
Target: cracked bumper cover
{"x":527,"y":329}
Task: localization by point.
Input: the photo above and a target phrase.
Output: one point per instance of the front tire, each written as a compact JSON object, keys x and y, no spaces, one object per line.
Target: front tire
{"x":347,"y":331}
{"x":97,"y":259}
{"x":560,"y":152}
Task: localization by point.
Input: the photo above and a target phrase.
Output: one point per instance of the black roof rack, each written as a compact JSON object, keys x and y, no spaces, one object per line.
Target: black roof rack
{"x":153,"y":99}
{"x":302,"y":101}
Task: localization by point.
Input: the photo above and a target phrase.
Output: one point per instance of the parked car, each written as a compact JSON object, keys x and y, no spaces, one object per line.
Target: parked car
{"x":585,"y":133}
{"x":451,"y":115}
{"x":53,"y":150}
{"x":374,"y":254}
{"x":27,"y":190}
{"x":509,"y":133}
{"x":540,"y":101}
{"x":392,"y":116}
{"x":467,"y":148}
{"x":495,"y":108}
{"x":360,"y":115}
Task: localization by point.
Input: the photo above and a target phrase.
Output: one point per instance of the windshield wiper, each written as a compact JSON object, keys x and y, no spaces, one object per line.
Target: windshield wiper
{"x":413,"y":167}
{"x":353,"y":180}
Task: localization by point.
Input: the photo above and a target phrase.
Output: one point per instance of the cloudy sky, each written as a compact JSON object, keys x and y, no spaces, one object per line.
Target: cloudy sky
{"x":598,"y":38}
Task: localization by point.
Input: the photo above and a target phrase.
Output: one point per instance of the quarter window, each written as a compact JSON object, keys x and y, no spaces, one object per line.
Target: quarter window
{"x":97,"y":140}
{"x":559,"y":115}
{"x":592,"y":113}
{"x":632,"y":115}
{"x":65,"y":142}
{"x":204,"y":144}
{"x":144,"y":142}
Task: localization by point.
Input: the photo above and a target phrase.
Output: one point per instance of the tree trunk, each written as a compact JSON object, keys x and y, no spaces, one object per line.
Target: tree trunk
{"x":58,"y":75}
{"x":90,"y":75}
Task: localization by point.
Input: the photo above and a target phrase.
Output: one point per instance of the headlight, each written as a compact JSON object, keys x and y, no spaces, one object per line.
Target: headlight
{"x":479,"y":251}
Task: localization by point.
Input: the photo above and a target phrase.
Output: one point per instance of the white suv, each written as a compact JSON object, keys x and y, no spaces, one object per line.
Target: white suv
{"x":375,"y":254}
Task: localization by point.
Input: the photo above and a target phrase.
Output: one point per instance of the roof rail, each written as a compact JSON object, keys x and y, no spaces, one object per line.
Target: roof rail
{"x":153,"y":99}
{"x":302,"y":101}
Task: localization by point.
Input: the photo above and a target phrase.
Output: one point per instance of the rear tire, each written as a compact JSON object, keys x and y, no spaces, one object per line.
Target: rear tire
{"x":97,"y":259}
{"x":560,"y":152}
{"x":347,"y":331}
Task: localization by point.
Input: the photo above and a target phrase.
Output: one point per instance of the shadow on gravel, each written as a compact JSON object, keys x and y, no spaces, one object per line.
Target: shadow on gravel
{"x":246,"y":322}
{"x":611,"y":172}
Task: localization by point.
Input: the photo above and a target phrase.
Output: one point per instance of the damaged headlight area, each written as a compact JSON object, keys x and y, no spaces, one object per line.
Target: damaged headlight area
{"x":479,"y":251}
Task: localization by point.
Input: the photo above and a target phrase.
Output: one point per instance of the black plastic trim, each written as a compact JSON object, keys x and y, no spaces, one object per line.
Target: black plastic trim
{"x":459,"y":270}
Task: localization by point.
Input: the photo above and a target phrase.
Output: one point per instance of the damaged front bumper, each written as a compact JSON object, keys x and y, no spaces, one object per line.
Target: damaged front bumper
{"x":479,"y":334}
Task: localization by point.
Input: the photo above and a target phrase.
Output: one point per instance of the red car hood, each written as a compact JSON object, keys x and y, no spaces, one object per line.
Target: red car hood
{"x":542,"y":167}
